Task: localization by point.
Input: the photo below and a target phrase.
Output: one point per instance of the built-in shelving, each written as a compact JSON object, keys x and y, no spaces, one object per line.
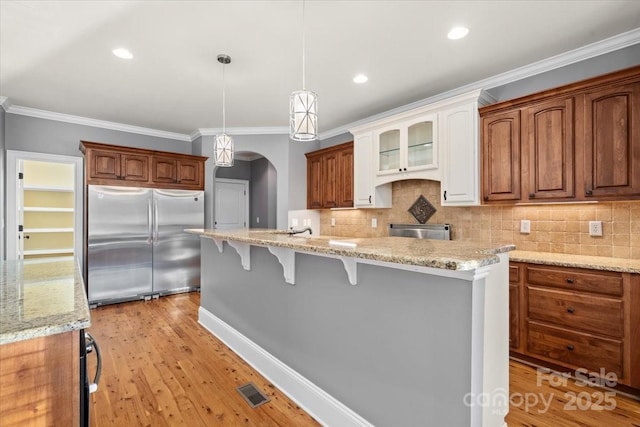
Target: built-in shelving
{"x":48,"y":213}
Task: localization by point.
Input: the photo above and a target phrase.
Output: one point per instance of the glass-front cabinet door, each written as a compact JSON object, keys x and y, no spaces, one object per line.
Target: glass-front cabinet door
{"x":407,"y":146}
{"x":389,"y":160}
{"x":420,"y":145}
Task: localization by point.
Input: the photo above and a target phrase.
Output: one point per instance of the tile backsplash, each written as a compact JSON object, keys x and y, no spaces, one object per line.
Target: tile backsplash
{"x":560,"y":228}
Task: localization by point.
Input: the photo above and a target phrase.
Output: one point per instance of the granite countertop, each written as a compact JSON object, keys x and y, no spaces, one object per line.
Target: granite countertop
{"x":40,"y":298}
{"x":579,"y":261}
{"x":445,"y":254}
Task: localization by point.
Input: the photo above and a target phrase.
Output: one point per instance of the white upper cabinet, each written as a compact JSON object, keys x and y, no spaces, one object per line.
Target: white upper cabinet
{"x":460,"y":148}
{"x":407,"y":149}
{"x":438,"y":141}
{"x":366,"y":193}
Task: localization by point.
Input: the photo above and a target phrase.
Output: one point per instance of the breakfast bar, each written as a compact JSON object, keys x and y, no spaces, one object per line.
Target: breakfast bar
{"x":367,"y":331}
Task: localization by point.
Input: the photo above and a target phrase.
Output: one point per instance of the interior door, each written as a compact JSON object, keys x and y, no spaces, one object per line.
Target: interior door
{"x":231,"y":204}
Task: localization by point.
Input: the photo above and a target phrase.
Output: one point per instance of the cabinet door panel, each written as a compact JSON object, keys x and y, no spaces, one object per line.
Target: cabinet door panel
{"x":189,"y":172}
{"x":612,"y":141}
{"x":501,"y":156}
{"x":104,"y":164}
{"x":514,"y":316}
{"x":345,"y":178}
{"x":460,"y":156}
{"x":329,"y":184}
{"x":134,"y":167}
{"x":551,"y":149}
{"x":164,"y":170}
{"x":314,"y":182}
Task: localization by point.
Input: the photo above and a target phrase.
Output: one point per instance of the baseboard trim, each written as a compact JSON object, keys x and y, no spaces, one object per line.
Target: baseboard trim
{"x":316,"y":402}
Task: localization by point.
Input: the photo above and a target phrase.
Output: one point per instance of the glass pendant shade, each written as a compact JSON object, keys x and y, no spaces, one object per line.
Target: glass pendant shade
{"x":303,"y":108}
{"x":223,"y":150}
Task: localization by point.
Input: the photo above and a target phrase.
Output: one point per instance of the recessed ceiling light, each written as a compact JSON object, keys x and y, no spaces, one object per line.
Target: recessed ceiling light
{"x":458,"y":33}
{"x":360,"y":78}
{"x":122,"y":53}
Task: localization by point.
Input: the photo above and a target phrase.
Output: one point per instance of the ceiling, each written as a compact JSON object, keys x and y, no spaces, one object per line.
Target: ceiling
{"x":56,"y":55}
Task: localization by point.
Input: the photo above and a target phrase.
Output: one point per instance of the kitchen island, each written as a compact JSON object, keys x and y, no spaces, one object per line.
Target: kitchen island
{"x":43,"y":307}
{"x":370,"y":331}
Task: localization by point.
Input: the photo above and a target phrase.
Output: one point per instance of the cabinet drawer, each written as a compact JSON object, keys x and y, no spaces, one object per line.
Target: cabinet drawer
{"x":574,"y":348}
{"x":600,"y":315}
{"x":576,"y":280}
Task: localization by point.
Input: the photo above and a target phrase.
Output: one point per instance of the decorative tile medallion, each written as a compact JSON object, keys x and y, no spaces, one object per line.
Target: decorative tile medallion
{"x":422,"y":210}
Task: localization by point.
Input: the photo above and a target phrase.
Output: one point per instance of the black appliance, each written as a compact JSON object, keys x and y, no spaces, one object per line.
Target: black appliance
{"x":87,"y":345}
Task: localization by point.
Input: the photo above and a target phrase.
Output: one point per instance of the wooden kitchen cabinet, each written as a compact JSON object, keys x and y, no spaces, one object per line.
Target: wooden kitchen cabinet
{"x":577,"y":318}
{"x":515,"y":285}
{"x":573,"y":143}
{"x":111,"y":165}
{"x":612,"y":141}
{"x":550,"y":144}
{"x":330,"y":177}
{"x":501,"y":157}
{"x":124,"y":166}
{"x":40,"y":381}
{"x":173,"y":170}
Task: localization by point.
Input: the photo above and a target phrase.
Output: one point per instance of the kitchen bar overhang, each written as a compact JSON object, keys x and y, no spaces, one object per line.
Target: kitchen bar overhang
{"x":423,"y":333}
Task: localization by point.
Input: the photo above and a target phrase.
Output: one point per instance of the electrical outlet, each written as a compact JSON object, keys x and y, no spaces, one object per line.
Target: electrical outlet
{"x":257,"y":220}
{"x":595,"y":228}
{"x":374,"y":223}
{"x":333,"y":222}
{"x":525,"y":226}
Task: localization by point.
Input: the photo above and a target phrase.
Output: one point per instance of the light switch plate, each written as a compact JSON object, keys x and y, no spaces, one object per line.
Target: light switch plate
{"x":374,"y":223}
{"x":525,"y":226}
{"x":333,"y":222}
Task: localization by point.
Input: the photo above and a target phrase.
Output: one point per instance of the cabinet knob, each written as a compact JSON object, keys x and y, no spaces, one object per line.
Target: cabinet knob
{"x":588,"y":193}
{"x":570,"y":280}
{"x":400,"y":170}
{"x":486,"y":198}
{"x":570,"y":310}
{"x":570,"y":347}
{"x":445,"y":194}
{"x":369,"y":199}
{"x":532,"y":195}
{"x":405,"y":169}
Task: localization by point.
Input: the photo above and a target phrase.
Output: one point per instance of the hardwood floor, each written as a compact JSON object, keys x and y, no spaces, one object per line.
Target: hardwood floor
{"x":161,"y":368}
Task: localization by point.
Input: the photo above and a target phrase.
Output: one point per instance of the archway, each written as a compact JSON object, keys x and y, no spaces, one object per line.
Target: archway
{"x":262,"y":177}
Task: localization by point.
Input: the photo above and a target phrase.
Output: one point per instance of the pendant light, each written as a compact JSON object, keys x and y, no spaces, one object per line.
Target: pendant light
{"x":303,"y":106}
{"x":223,"y":147}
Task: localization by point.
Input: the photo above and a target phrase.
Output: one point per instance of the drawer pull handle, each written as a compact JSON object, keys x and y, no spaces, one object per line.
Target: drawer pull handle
{"x":570,"y":310}
{"x":570,"y":280}
{"x":570,"y":347}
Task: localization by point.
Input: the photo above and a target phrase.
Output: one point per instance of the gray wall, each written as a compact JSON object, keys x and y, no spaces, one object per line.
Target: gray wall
{"x":298,"y":174}
{"x":3,"y":168}
{"x":263,"y":194}
{"x":371,"y":346}
{"x":335,"y":140}
{"x":25,"y":133}
{"x":612,"y":61}
{"x":241,"y":169}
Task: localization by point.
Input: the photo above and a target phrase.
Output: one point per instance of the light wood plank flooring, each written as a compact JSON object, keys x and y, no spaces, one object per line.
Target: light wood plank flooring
{"x":161,"y":368}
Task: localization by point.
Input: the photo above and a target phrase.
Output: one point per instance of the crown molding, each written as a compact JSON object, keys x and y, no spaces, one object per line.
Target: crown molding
{"x":272,"y":130}
{"x":85,"y":121}
{"x":592,"y":50}
{"x":5,"y":103}
{"x":583,"y":53}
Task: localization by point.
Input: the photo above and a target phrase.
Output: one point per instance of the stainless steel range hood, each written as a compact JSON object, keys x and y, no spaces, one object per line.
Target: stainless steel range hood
{"x":421,"y":231}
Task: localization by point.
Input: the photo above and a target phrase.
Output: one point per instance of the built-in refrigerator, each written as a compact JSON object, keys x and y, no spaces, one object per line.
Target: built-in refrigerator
{"x":137,"y":247}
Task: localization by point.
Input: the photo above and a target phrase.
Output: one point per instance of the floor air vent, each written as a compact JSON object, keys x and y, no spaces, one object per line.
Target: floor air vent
{"x":252,"y":395}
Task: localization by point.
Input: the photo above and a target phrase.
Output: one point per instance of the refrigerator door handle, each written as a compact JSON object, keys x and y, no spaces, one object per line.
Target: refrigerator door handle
{"x":155,"y":221}
{"x":150,"y":222}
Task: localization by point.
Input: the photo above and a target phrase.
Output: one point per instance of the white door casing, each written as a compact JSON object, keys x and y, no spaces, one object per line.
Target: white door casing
{"x":231,"y":203}
{"x":15,"y":200}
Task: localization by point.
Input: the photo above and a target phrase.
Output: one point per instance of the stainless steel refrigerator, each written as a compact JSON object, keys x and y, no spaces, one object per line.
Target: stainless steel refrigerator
{"x":137,"y":247}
